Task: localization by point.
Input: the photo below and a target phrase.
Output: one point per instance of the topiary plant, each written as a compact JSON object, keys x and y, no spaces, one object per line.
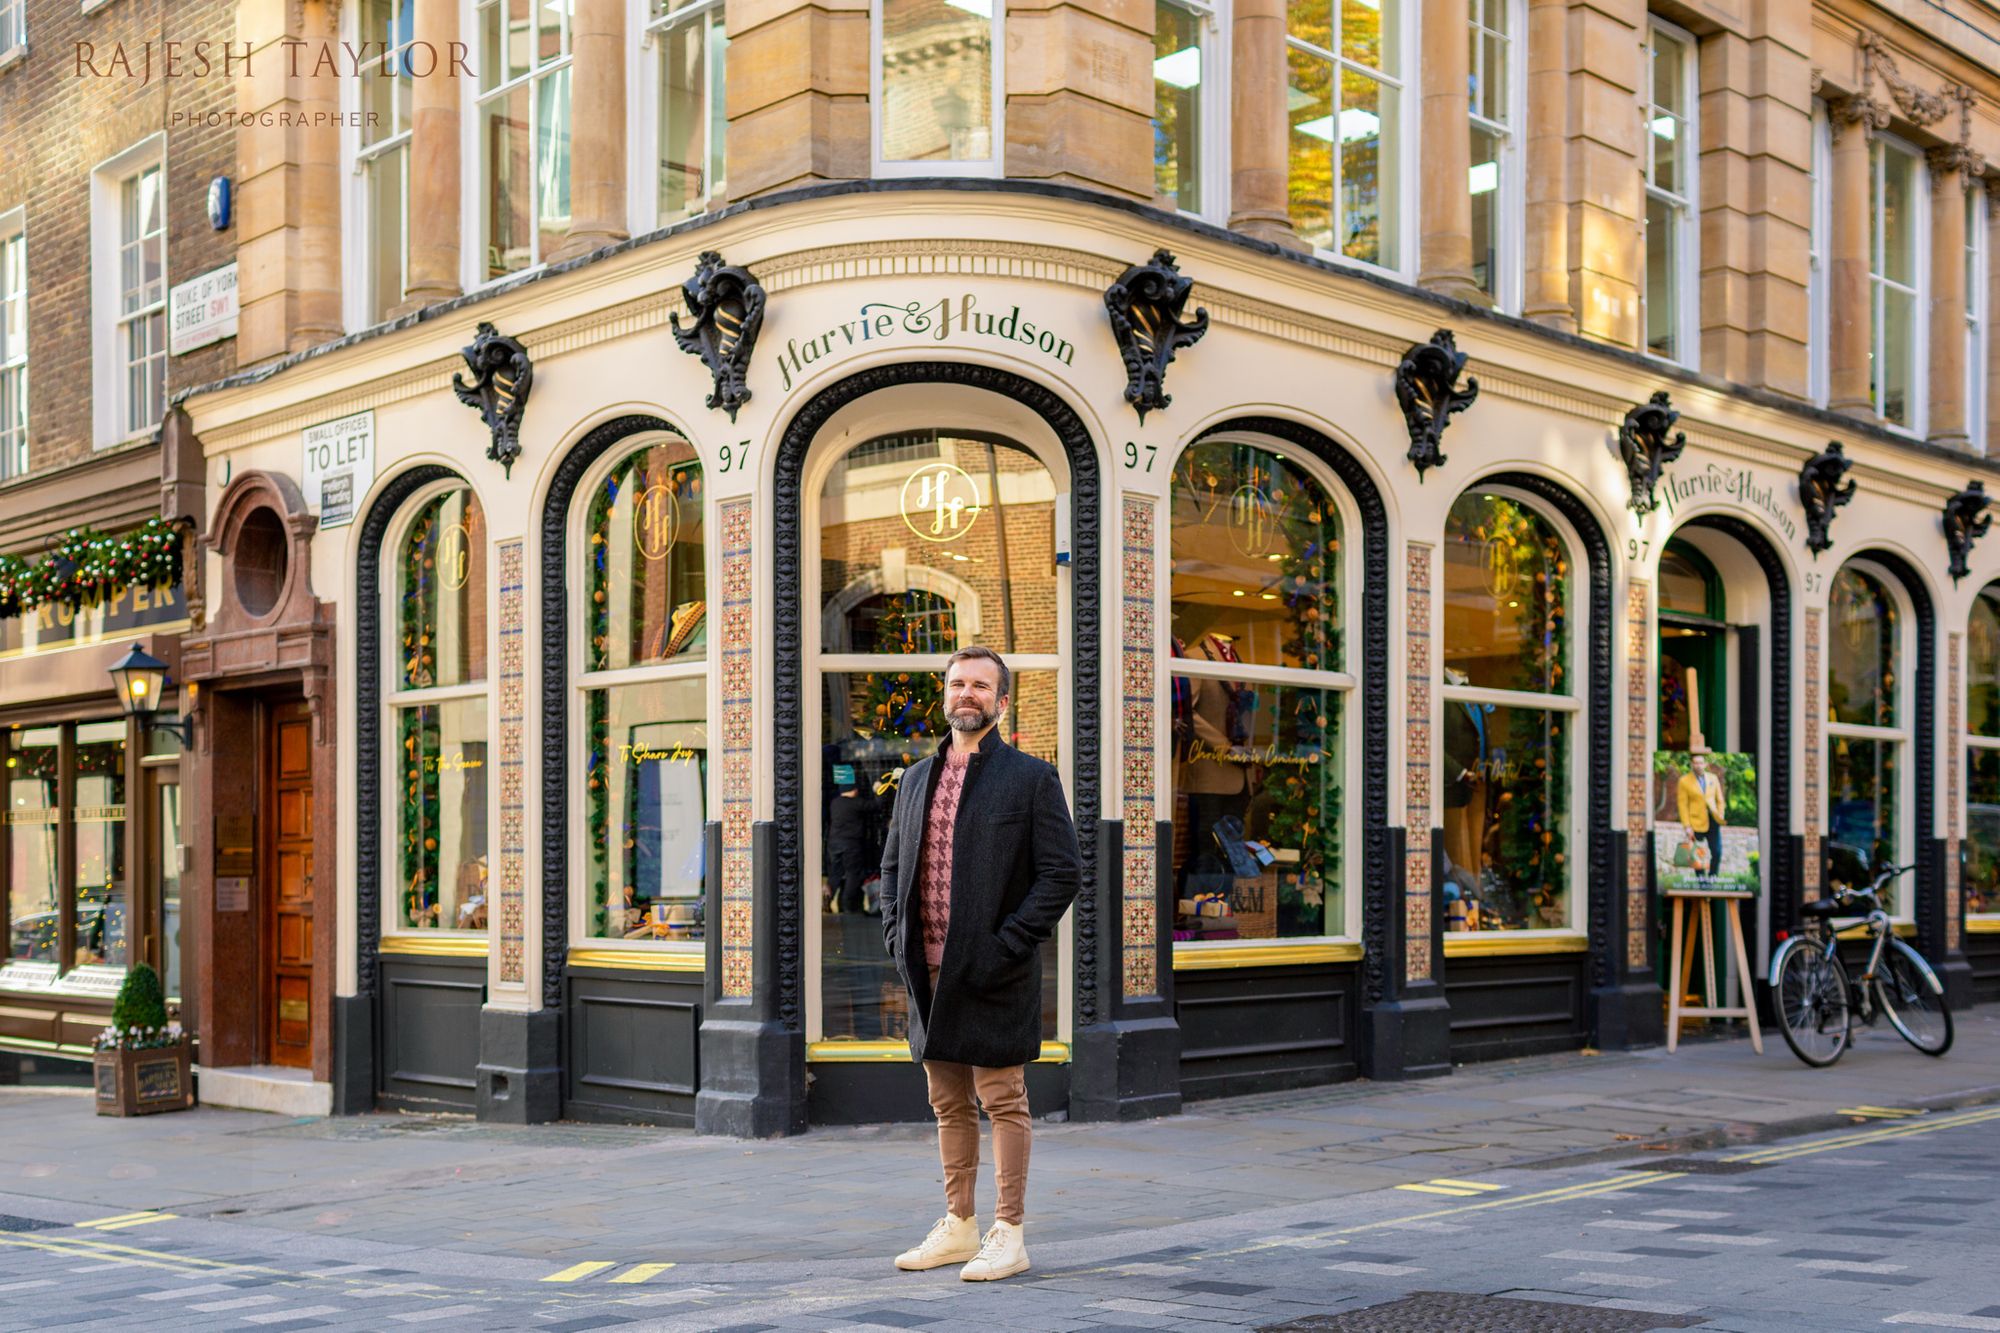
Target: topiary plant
{"x":141,"y":1002}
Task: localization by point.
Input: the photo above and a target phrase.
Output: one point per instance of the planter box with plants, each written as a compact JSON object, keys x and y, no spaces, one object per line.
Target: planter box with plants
{"x":142,"y":1059}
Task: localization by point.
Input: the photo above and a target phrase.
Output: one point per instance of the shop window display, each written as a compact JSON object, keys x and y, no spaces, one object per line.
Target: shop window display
{"x":1867,"y":735}
{"x":1980,"y":873}
{"x":440,"y":722}
{"x":34,"y":819}
{"x":1257,"y":698}
{"x":928,"y":541}
{"x":646,"y":760}
{"x":87,"y":881}
{"x":1507,"y":717}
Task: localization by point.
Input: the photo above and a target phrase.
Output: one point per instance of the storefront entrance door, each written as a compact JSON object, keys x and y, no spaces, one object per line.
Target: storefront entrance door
{"x":288,"y":877}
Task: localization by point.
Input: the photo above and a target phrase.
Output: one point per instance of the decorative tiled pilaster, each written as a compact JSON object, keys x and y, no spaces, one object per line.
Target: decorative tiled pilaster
{"x":1638,"y":751}
{"x":1141,"y":888}
{"x":513,"y":770}
{"x":1954,"y":765}
{"x":1417,"y":767}
{"x":1815,"y":758}
{"x":738,"y":771}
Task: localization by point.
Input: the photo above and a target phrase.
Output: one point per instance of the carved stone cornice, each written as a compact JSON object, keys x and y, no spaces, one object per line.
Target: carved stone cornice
{"x":1855,"y":109}
{"x":1920,"y":108}
{"x":1947,"y":158}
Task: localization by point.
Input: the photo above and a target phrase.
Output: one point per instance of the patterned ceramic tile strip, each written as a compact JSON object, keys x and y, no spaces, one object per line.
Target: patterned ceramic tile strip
{"x":1954,"y":764}
{"x":1140,"y":889}
{"x":1813,"y":758}
{"x":513,"y":771}
{"x":1638,"y":738}
{"x":738,"y":773}
{"x":1417,"y":768}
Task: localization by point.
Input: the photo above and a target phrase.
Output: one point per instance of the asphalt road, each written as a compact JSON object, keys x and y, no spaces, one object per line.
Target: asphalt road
{"x":1891,"y":1221}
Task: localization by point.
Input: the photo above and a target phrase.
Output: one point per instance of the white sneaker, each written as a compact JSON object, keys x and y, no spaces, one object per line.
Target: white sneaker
{"x":1003,"y":1254}
{"x":953,"y":1240}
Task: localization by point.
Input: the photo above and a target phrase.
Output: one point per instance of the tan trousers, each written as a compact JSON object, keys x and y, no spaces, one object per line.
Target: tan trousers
{"x":1004,"y":1094}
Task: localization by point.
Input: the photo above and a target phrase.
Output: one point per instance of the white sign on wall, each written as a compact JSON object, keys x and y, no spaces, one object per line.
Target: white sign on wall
{"x":339,"y":466}
{"x":203,"y":310}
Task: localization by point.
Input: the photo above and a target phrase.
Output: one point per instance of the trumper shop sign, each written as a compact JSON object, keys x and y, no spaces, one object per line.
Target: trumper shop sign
{"x":952,"y":319}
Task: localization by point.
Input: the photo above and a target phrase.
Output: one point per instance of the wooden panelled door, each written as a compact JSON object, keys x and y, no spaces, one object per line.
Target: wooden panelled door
{"x":288,"y":880}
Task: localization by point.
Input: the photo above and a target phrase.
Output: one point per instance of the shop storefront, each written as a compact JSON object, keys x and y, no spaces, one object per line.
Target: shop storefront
{"x":1367,"y":758}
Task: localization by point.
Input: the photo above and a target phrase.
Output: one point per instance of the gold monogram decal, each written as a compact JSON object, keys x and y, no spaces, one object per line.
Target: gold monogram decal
{"x":654,"y":519}
{"x":455,"y":556}
{"x":940,"y":502}
{"x":1252,"y":518}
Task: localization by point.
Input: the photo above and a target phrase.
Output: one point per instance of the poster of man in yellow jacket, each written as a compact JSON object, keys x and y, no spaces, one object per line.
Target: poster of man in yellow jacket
{"x":1700,"y":798}
{"x":1705,"y":822}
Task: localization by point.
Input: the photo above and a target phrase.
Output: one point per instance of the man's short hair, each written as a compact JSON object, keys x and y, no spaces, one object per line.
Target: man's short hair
{"x":979,"y":652}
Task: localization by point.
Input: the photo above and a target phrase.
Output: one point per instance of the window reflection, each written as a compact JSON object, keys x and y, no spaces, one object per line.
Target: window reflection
{"x":34,"y":815}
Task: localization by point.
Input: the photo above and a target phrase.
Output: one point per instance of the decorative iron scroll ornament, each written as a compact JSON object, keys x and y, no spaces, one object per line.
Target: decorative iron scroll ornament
{"x":1821,"y":492}
{"x":728,"y":309}
{"x":1426,"y":386}
{"x":502,"y":375}
{"x":1965,"y":522}
{"x":1145,"y":305}
{"x":1643,"y":444}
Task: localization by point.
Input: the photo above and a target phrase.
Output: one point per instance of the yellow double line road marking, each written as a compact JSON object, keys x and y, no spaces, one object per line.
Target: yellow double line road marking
{"x":1901,"y":1130}
{"x":592,"y":1267}
{"x":1457,"y":1189}
{"x":79,"y":1248}
{"x":1880,"y":1112}
{"x":124,"y":1220}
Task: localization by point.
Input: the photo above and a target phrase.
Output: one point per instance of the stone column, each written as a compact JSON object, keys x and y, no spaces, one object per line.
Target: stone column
{"x":1087,"y":121}
{"x":434,"y":165}
{"x":1992,"y":404}
{"x":318,"y":287}
{"x":1850,"y":313}
{"x":1259,"y":128}
{"x":1607,"y":193}
{"x":797,"y":94}
{"x":1545,"y":258}
{"x":1950,"y":172}
{"x":597,"y":133}
{"x":1445,"y":260}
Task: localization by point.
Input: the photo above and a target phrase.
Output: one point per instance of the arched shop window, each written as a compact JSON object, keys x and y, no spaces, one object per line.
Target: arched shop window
{"x":926,"y":541}
{"x":1512,"y":714}
{"x":1868,"y":732}
{"x":643,"y":693}
{"x":72,"y":774}
{"x":438,"y":713}
{"x":1259,"y":698}
{"x":1981,"y":876}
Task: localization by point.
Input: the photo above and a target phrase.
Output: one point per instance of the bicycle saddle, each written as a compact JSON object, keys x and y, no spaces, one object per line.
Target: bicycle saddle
{"x":1826,"y":907}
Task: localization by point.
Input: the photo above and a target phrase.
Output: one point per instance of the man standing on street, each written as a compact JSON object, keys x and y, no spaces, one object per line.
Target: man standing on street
{"x":980,"y":866}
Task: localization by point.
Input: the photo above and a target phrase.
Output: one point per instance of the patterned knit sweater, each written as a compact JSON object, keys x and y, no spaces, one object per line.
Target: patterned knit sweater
{"x":934,"y":867}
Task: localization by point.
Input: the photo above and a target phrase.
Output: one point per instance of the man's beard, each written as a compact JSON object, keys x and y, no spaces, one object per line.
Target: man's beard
{"x":973,"y":717}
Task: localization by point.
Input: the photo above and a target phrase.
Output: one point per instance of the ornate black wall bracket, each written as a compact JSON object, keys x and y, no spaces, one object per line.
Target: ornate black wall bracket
{"x":1145,"y":305}
{"x":1965,"y":522}
{"x":1821,"y":492}
{"x":728,"y":309}
{"x":1427,"y":387}
{"x":502,"y":375}
{"x":1644,"y":445}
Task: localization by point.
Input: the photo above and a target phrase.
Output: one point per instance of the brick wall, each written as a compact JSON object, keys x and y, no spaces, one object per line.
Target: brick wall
{"x":54,"y":127}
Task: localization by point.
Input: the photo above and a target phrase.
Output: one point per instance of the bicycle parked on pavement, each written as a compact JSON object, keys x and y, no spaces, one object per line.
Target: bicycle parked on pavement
{"x":1819,"y":1006}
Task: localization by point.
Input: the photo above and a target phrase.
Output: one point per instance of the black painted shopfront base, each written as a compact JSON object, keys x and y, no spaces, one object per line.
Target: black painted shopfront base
{"x":1126,"y":1070}
{"x":353,"y":1054}
{"x":520,"y":1066}
{"x":1982,"y":957}
{"x":1407,"y":1038}
{"x":1956,"y":974}
{"x":1627,"y":1016}
{"x":753,"y":1077}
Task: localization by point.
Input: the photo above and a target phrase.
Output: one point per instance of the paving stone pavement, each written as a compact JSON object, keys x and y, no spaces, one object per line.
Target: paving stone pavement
{"x":1711,"y":1189}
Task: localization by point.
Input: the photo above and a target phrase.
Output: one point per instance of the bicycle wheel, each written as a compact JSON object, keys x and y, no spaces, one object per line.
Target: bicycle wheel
{"x":1811,"y":1000}
{"x":1916,"y":1011}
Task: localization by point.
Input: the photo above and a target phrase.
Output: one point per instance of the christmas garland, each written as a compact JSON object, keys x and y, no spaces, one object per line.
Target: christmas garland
{"x":85,"y":567}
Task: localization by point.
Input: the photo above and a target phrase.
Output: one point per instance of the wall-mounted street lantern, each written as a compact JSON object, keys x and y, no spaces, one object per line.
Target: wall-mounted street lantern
{"x":141,"y":678}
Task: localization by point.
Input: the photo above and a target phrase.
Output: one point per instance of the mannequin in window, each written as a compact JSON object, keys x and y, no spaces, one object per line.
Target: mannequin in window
{"x":1208,"y":728}
{"x":1466,"y":764}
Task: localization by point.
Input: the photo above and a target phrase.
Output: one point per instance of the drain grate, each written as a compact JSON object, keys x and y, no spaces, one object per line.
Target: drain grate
{"x":1466,"y":1312}
{"x":1696,"y":1166}
{"x":9,"y":1222}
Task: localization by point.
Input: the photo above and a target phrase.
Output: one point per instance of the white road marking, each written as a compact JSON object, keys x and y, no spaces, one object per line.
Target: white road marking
{"x":1627,"y":1224}
{"x":1709,"y":1238}
{"x":1849,"y":1266}
{"x":1620,"y":1280}
{"x":1698,"y":1214}
{"x":1593,"y":1256}
{"x":1375,"y":1270}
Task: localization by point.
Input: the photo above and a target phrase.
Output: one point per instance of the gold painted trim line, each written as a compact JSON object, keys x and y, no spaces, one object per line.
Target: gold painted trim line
{"x":1904,"y":930}
{"x":889,"y":1052}
{"x":444,"y":946}
{"x":1982,"y":925}
{"x":40,"y":1047}
{"x":1202,"y":958}
{"x":640,"y":960}
{"x":1480,"y":944}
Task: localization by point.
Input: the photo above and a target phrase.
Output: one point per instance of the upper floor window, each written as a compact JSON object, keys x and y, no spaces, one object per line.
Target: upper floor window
{"x":1188,"y":117}
{"x":13,"y":26}
{"x":1672,"y":163}
{"x":1976,"y":313}
{"x":13,"y":352}
{"x":1895,"y":190}
{"x":128,"y":265}
{"x":688,"y":36}
{"x":1497,"y":193}
{"x":382,"y":154}
{"x":938,"y":64}
{"x":1344,"y":93}
{"x":522,"y":162}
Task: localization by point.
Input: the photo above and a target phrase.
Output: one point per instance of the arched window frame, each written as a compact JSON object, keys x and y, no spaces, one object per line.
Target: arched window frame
{"x":1342,"y":683}
{"x":1571,"y":703}
{"x":1902,"y":903}
{"x":396,"y":699}
{"x":1978,"y":743}
{"x":689,"y":953}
